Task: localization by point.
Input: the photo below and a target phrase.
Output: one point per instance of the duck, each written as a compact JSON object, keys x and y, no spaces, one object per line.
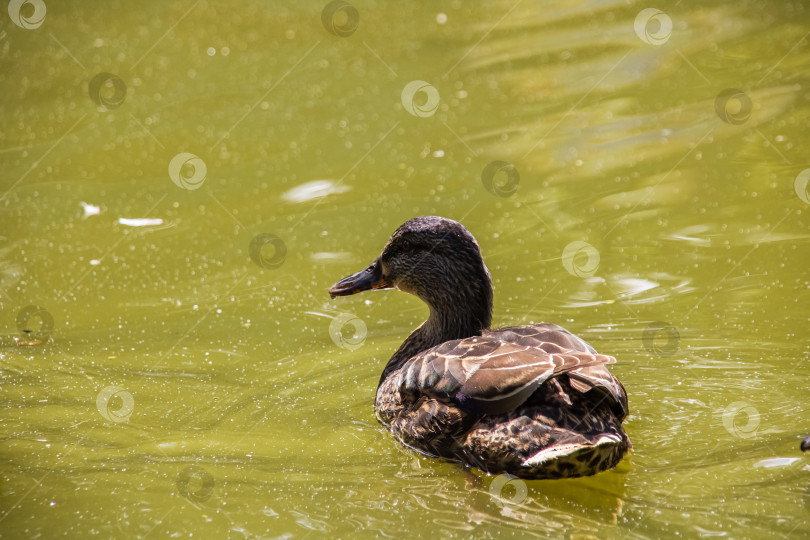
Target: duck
{"x":532,"y":401}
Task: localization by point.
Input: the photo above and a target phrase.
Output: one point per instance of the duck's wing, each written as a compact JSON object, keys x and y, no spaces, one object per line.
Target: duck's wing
{"x":498,"y":371}
{"x":594,"y":377}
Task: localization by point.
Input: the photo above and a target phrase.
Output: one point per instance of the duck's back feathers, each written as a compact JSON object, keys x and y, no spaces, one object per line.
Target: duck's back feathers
{"x":499,"y":370}
{"x":534,"y":400}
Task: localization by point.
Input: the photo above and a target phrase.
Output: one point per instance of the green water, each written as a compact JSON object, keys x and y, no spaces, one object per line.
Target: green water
{"x":185,"y":390}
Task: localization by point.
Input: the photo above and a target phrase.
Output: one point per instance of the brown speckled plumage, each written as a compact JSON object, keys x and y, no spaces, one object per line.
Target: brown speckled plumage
{"x":534,"y":401}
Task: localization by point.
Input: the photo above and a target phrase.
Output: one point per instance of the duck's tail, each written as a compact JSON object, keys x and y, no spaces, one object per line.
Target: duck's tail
{"x":529,"y":444}
{"x":578,"y":457}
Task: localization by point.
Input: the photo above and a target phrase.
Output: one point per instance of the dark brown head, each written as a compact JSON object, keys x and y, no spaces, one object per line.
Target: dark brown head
{"x":439,"y":261}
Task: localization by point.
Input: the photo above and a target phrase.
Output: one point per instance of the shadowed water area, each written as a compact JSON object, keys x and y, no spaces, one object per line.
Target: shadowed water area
{"x":181,"y":182}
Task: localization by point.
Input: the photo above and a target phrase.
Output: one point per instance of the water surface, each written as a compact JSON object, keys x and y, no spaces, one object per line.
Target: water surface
{"x":191,"y":385}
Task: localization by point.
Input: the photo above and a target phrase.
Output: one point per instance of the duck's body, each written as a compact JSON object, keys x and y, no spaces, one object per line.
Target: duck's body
{"x":534,"y":401}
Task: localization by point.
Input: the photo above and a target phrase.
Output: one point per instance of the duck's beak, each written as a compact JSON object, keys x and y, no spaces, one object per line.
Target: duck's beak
{"x":370,"y":278}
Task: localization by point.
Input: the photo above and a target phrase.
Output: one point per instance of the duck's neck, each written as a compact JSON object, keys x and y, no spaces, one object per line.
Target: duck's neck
{"x":447,"y":321}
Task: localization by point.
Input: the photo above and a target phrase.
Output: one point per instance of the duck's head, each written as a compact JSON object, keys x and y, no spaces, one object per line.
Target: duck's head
{"x":436,"y":259}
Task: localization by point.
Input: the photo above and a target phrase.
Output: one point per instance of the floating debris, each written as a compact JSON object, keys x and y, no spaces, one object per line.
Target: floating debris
{"x":313,"y":190}
{"x":90,"y":210}
{"x":140,"y":222}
